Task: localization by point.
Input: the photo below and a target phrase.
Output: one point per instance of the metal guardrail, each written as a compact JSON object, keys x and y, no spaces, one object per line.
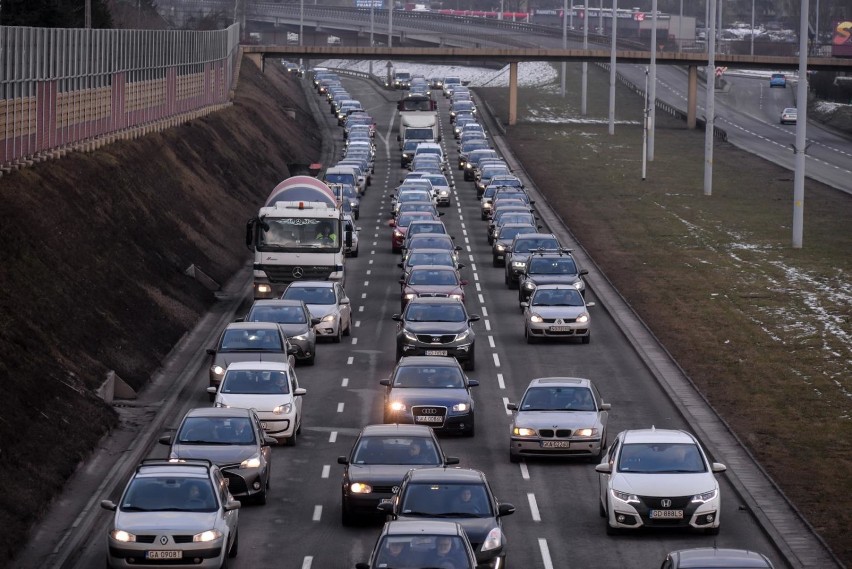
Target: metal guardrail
{"x":77,"y":89}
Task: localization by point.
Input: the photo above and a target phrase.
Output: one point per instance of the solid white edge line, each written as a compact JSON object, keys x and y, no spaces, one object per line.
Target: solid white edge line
{"x":326,"y":470}
{"x":317,"y":513}
{"x":545,"y":553}
{"x":536,"y":516}
{"x":525,"y":471}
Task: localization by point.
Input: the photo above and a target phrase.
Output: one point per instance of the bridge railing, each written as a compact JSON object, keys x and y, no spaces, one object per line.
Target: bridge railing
{"x":68,"y":89}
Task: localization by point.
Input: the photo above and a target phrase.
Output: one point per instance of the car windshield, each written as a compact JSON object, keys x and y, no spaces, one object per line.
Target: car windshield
{"x":251,"y":340}
{"x":558,"y":399}
{"x":432,"y":277}
{"x":418,"y":228}
{"x":406,"y":219}
{"x":169,"y":494}
{"x":445,"y":500}
{"x":255,"y":382}
{"x":516,"y":217}
{"x":508,"y":233}
{"x":422,"y":312}
{"x":402,"y":551}
{"x":395,"y":450}
{"x":216,"y":431}
{"x":527,"y":245}
{"x":416,"y":258}
{"x":433,"y":377}
{"x":279,"y":314}
{"x":427,"y":241}
{"x":437,"y":180}
{"x":560,"y":266}
{"x":557,"y":297}
{"x":415,"y":196}
{"x":310,"y":295}
{"x":660,"y":458}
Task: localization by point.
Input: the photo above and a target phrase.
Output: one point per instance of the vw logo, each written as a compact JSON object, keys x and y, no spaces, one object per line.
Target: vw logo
{"x":429,"y":411}
{"x":298,"y":272}
{"x":666,"y":503}
{"x":395,"y":489}
{"x":164,"y":540}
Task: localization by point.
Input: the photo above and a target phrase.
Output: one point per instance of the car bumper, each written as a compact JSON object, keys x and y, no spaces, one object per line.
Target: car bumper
{"x":279,"y":427}
{"x":532,"y":447}
{"x":700,"y":516}
{"x":121,"y":554}
{"x":442,"y":200}
{"x":550,"y":330}
{"x":326,"y":329}
{"x":244,"y":482}
{"x":306,"y":348}
{"x":452,"y":423}
{"x":365,"y":504}
{"x":462,"y":352}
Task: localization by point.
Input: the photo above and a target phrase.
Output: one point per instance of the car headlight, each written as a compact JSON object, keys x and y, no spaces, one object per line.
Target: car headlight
{"x":461,"y":407}
{"x":209,"y":535}
{"x":529,"y":285}
{"x":706,"y":496}
{"x":360,"y":488}
{"x":493,"y":540}
{"x":456,"y":296}
{"x":518,"y":264}
{"x":579,"y":285}
{"x":251,"y":462}
{"x":397,"y":406}
{"x":523,"y":432}
{"x":583,"y":318}
{"x":409,"y":335}
{"x":463,"y":336}
{"x":586,"y":432}
{"x":283,"y":409}
{"x":122,"y":536}
{"x":501,"y":247}
{"x":300,"y":337}
{"x":410,"y":295}
{"x":405,"y":155}
{"x":264,"y":288}
{"x":468,"y":166}
{"x":328,"y":318}
{"x":536,"y":318}
{"x":625,"y":497}
{"x":487,"y":205}
{"x":217,"y":371}
{"x":444,"y":192}
{"x":397,"y":234}
{"x":353,"y":204}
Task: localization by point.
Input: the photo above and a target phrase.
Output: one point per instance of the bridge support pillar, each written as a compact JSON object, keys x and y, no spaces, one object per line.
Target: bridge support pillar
{"x":513,"y":93}
{"x":257,"y":59}
{"x":692,"y":96}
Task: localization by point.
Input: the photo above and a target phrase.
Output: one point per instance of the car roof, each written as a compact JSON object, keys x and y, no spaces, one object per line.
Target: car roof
{"x":448,"y":475}
{"x":425,"y":527}
{"x":711,"y":557}
{"x":433,"y":268}
{"x":252,"y":326}
{"x":396,"y":429}
{"x":259,"y":366}
{"x":435,"y":300}
{"x":654,"y":435}
{"x":560,"y":381}
{"x":322,"y":284}
{"x":192,"y":468}
{"x":219,"y":412}
{"x":277,"y":302}
{"x":431,"y":361}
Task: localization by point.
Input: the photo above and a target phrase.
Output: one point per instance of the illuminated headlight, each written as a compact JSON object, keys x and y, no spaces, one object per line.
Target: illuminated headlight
{"x":625,"y":497}
{"x":410,"y":295}
{"x":340,"y":115}
{"x":217,"y":371}
{"x":501,"y":248}
{"x":468,"y":165}
{"x":397,"y":233}
{"x":493,"y":540}
{"x":487,"y":205}
{"x":123,"y":536}
{"x":461,"y":407}
{"x":360,"y":488}
{"x":579,"y":285}
{"x":444,"y":192}
{"x":523,"y":432}
{"x":518,"y":264}
{"x":586,"y":433}
{"x":283,"y":409}
{"x":409,"y":335}
{"x":583,"y":318}
{"x":706,"y":496}
{"x":328,"y":318}
{"x":209,"y":535}
{"x":536,"y":318}
{"x":463,"y":336}
{"x":264,"y":288}
{"x":528,"y":285}
{"x":300,"y":337}
{"x":405,"y":155}
{"x":456,"y":296}
{"x":397,"y":406}
{"x":252,"y":462}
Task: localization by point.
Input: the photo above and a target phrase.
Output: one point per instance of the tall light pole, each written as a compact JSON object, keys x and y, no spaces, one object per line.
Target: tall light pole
{"x":709,"y":106}
{"x":645,"y":131}
{"x":585,"y":63}
{"x":600,"y":18}
{"x":88,"y":15}
{"x":680,"y":29}
{"x":801,"y":124}
{"x":652,"y":95}
{"x":564,"y":44}
{"x":372,"y":29}
{"x":390,"y":23}
{"x":612,"y":68}
{"x":751,"y":52}
{"x":816,"y":27}
{"x":301,"y":26}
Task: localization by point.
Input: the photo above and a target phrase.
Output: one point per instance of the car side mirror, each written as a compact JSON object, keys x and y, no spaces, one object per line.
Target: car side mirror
{"x":590,"y":304}
{"x":583,"y":272}
{"x":108,"y":505}
{"x":240,"y":319}
{"x":457,"y":248}
{"x":461,"y":266}
{"x":166,"y":440}
{"x":474,"y":318}
{"x":211,"y":351}
{"x":539,"y":226}
{"x":315,"y":321}
{"x":605,"y":406}
{"x":505,"y":510}
{"x":299,"y":391}
{"x":604,"y":468}
{"x":512,"y":406}
{"x":397,"y":317}
{"x":384,"y":382}
{"x":292,"y":350}
{"x":472,"y":383}
{"x":342,"y":460}
{"x":391,"y":223}
{"x":212,"y":390}
{"x":526,"y":304}
{"x":448,"y":460}
{"x":463,"y":282}
{"x":401,"y":281}
{"x":344,"y":300}
{"x":718,"y":467}
{"x":385,"y":507}
{"x":232,"y":505}
{"x":269,"y":441}
{"x":400,"y":265}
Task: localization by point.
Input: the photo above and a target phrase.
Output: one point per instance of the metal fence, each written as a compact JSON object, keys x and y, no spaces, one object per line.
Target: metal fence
{"x":64,"y":88}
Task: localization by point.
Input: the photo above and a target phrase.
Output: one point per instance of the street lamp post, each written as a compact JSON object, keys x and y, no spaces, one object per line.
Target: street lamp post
{"x":652,"y":114}
{"x":612,"y":68}
{"x":710,"y":104}
{"x":801,"y":125}
{"x":564,"y":43}
{"x":751,"y":51}
{"x":585,"y":63}
{"x":372,"y":29}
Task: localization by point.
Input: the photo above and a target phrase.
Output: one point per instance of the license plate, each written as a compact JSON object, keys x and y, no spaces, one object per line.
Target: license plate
{"x":559,"y":328}
{"x":164,"y":555}
{"x":667,"y":514}
{"x":555,"y":444}
{"x":436,"y":352}
{"x":429,"y":419}
{"x":385,"y":500}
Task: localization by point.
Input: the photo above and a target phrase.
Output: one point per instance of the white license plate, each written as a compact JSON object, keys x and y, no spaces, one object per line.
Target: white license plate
{"x":385,"y":500}
{"x":164,"y":555}
{"x":667,"y":514}
{"x":555,"y":444}
{"x":436,"y":352}
{"x":559,"y":328}
{"x":429,"y":419}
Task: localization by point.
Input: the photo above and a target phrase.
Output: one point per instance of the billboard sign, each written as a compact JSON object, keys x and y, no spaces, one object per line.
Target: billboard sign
{"x":841,"y":42}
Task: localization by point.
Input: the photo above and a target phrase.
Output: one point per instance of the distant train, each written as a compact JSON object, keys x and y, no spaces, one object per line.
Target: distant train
{"x":510,"y":16}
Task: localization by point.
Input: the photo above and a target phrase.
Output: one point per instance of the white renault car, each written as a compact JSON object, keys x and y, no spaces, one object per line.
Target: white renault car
{"x":327,"y":301}
{"x":659,"y":478}
{"x":271,"y":389}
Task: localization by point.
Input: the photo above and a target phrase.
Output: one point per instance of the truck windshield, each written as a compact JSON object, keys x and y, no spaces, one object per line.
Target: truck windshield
{"x":416,"y":104}
{"x":419,"y":134}
{"x":299,"y":234}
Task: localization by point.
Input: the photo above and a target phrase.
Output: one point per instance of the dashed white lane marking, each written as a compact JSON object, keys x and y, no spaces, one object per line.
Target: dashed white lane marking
{"x":357,"y":323}
{"x":326,"y":469}
{"x":487,"y":325}
{"x":481,"y":299}
{"x":533,"y":507}
{"x":473,"y":267}
{"x":345,"y":382}
{"x":363,"y":295}
{"x":376,"y":235}
{"x":371,"y":262}
{"x":354,"y":341}
{"x":545,"y":553}
{"x":476,"y":276}
{"x":500,"y":382}
{"x":478,"y":287}
{"x":484,"y":310}
{"x":468,"y":248}
{"x":340,"y":407}
{"x":350,"y":360}
{"x":366,"y":284}
{"x":317,"y":513}
{"x":525,"y":471}
{"x":360,"y":309}
{"x":491,"y":341}
{"x":332,"y":437}
{"x":506,"y":402}
{"x":375,"y":243}
{"x":496,"y":360}
{"x":307,"y":562}
{"x":369,"y":271}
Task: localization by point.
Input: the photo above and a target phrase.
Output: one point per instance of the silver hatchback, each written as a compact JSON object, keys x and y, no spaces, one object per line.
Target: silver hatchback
{"x":556,"y":311}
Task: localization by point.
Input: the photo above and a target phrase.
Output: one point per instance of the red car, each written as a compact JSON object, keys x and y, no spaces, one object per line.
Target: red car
{"x":432,"y":281}
{"x":400,"y":227}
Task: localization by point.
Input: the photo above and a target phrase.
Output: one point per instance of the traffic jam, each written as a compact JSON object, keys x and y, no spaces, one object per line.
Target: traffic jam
{"x":404,"y":479}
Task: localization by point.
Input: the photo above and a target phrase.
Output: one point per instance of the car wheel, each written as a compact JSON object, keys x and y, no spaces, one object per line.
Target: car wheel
{"x":470,"y":364}
{"x":235,"y":547}
{"x":313,"y":359}
{"x":348,"y":331}
{"x":713,"y":531}
{"x":395,"y":249}
{"x":609,"y":529}
{"x":337,"y":337}
{"x":494,"y":262}
{"x":354,"y":253}
{"x":299,"y":426}
{"x":587,"y":338}
{"x":506,"y":279}
{"x":398,"y":354}
{"x":212,"y":397}
{"x":601,"y":509}
{"x":358,"y":213}
{"x":292,"y":439}
{"x":530,"y":338}
{"x":472,"y":431}
{"x":260,"y":498}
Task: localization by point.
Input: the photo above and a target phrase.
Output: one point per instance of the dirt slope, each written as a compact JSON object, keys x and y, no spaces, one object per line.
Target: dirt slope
{"x":94,"y":248}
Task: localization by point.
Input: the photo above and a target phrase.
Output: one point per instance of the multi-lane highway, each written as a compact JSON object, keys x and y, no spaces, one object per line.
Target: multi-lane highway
{"x":557,"y":522}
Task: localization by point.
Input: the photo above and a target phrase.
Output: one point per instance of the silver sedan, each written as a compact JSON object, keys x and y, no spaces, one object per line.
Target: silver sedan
{"x":556,"y":311}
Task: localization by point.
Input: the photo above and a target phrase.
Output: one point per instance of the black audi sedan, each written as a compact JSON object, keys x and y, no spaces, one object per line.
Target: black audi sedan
{"x":436,"y":327}
{"x":379,"y":459}
{"x":431,"y":391}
